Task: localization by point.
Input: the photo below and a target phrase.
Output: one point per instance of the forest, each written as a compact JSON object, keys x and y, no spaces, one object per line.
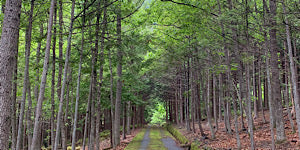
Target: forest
{"x":103,"y":74}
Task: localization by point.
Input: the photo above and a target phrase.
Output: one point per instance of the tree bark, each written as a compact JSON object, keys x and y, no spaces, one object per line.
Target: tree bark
{"x":38,"y":113}
{"x":60,"y":111}
{"x":293,"y":73}
{"x":119,"y":81}
{"x":207,"y":104}
{"x":104,"y":22}
{"x":26,"y":74}
{"x":60,"y":47}
{"x":29,"y":121}
{"x":276,"y":91}
{"x":78,"y":82}
{"x":260,"y":91}
{"x":52,"y":120}
{"x":8,"y":48}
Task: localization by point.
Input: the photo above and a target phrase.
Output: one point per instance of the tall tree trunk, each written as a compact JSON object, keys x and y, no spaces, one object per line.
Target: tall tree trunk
{"x":13,"y":105}
{"x":207,"y":104}
{"x":63,"y":125}
{"x":187,"y":88}
{"x":286,"y":92}
{"x":215,"y":102}
{"x":199,"y":96}
{"x":220,"y":97}
{"x":180,"y":98}
{"x":26,"y":74}
{"x":276,"y":91}
{"x":60,"y":47}
{"x":254,"y":89}
{"x":78,"y":81}
{"x":104,"y":22}
{"x":52,"y":120}
{"x":38,"y":113}
{"x":119,"y":81}
{"x":112,"y":112}
{"x":8,"y":48}
{"x":29,"y":121}
{"x":60,"y":111}
{"x":250,"y":120}
{"x":241,"y":92}
{"x":270,"y":96}
{"x":293,"y":73}
{"x":260,"y":90}
{"x":128,"y":117}
{"x":124,"y":121}
{"x":38,"y":52}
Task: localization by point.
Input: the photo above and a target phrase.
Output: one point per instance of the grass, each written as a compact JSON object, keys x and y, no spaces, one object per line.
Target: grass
{"x":136,"y":141}
{"x":155,"y":142}
{"x":181,"y":138}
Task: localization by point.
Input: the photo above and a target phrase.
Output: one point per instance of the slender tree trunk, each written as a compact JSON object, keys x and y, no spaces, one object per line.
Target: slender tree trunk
{"x":270,"y":98}
{"x":60,"y":111}
{"x":293,"y":73}
{"x":128,"y":117}
{"x":29,"y":121}
{"x":192,"y":96}
{"x":60,"y":46}
{"x":207,"y":104}
{"x":112,"y":113}
{"x":199,"y":96}
{"x":180,"y":98}
{"x":124,"y":121}
{"x":215,"y":102}
{"x":186,"y":105}
{"x":250,"y":120}
{"x":38,"y":113}
{"x":286,"y":93}
{"x":87,"y":117}
{"x":104,"y":22}
{"x":119,"y":81}
{"x":220,"y":97}
{"x":254,"y":90}
{"x":78,"y":81}
{"x":36,"y":87}
{"x":13,"y":105}
{"x":52,"y":120}
{"x":260,"y":91}
{"x":63,"y":125}
{"x":26,"y":74}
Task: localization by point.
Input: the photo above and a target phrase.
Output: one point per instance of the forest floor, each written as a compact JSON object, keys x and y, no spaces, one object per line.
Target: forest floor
{"x":262,"y":135}
{"x":105,"y":144}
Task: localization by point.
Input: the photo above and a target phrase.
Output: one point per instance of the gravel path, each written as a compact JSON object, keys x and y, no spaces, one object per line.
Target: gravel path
{"x":146,"y":140}
{"x":169,"y":142}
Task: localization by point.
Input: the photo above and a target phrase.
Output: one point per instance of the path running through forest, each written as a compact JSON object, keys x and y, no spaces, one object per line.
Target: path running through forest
{"x":158,"y":138}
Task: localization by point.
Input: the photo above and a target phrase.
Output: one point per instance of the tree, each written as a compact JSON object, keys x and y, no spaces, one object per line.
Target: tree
{"x":38,"y":113}
{"x":8,"y":48}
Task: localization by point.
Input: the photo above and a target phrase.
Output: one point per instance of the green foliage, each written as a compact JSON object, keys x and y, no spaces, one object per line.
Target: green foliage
{"x":158,"y":114}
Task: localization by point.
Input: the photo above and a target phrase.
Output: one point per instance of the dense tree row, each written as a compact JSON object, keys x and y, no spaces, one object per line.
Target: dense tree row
{"x":224,"y":59}
{"x":77,"y":72}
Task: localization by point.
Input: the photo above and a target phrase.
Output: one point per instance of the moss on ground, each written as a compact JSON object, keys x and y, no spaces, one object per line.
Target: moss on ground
{"x":136,"y":141}
{"x":181,"y":138}
{"x":156,"y":142}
